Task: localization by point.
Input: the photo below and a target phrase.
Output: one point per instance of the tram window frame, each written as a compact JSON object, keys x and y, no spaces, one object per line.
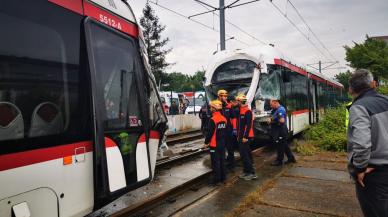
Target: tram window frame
{"x":68,"y":62}
{"x":136,"y":66}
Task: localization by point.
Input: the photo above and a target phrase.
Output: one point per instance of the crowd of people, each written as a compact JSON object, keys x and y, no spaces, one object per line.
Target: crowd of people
{"x":230,"y":127}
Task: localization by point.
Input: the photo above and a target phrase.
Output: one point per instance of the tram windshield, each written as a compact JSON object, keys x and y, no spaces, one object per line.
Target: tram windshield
{"x":269,"y":85}
{"x":234,"y":70}
{"x":233,"y":89}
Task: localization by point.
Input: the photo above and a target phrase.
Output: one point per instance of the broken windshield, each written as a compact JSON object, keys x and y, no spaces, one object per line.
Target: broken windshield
{"x":269,"y":85}
{"x":233,"y":89}
{"x":234,"y":70}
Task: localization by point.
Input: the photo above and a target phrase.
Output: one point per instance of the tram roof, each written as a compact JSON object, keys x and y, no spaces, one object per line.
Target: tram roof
{"x":260,"y":55}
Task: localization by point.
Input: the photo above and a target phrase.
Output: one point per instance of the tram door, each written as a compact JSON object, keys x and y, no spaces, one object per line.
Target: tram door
{"x":313,"y":101}
{"x":121,"y":148}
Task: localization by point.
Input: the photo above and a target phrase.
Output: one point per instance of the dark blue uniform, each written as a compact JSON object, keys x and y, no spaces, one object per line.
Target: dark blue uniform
{"x":228,"y":113}
{"x":279,"y":133}
{"x":215,"y":137}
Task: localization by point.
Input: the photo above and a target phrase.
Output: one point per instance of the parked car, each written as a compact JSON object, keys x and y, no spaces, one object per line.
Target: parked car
{"x":195,"y":105}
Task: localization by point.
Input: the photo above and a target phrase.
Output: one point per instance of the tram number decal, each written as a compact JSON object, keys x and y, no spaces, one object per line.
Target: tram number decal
{"x":133,"y":121}
{"x":109,"y":21}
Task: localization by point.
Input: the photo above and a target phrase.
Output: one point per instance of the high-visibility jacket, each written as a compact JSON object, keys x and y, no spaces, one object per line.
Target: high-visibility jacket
{"x":347,"y":115}
{"x":228,"y":113}
{"x":215,"y":136}
{"x":245,"y":123}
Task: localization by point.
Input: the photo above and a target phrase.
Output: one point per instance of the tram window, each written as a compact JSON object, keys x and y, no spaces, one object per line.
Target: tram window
{"x":40,"y":74}
{"x":116,"y":66}
{"x":156,"y":110}
{"x":234,"y":70}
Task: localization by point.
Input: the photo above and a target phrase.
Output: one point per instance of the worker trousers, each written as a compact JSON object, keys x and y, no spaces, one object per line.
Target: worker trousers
{"x":217,"y":156}
{"x":246,"y":156}
{"x":283,"y":148}
{"x":230,"y":160}
{"x":373,"y":198}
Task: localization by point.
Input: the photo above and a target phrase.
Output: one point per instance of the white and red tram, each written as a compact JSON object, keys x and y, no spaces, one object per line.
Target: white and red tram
{"x":80,"y":115}
{"x":263,"y":73}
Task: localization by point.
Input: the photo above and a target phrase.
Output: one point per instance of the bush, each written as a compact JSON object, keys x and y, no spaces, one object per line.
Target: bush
{"x":330,"y":133}
{"x":305,"y":148}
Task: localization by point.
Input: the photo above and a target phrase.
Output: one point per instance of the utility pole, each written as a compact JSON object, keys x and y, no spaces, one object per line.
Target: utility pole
{"x":328,"y":66}
{"x":320,"y":67}
{"x":222,"y":24}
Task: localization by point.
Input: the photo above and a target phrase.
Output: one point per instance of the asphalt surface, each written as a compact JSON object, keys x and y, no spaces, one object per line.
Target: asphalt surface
{"x":316,"y":186}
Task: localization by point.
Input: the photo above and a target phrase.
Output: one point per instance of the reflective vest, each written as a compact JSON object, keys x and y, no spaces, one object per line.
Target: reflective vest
{"x":245,"y":123}
{"x":227,"y":112}
{"x":218,"y":137}
{"x":347,"y":115}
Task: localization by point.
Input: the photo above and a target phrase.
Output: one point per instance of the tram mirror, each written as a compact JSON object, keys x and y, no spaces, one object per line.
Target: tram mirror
{"x":285,"y":76}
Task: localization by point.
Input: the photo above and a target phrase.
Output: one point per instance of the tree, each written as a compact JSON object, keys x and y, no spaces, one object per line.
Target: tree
{"x":152,"y":30}
{"x":181,"y":82}
{"x":343,"y":78}
{"x":372,"y":55}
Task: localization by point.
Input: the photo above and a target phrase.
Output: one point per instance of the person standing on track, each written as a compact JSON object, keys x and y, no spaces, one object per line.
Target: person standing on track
{"x":227,"y":112}
{"x":279,"y":133}
{"x":245,"y":137}
{"x":215,"y":140}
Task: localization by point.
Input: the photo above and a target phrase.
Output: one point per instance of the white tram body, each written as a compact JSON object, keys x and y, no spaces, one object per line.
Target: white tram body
{"x":80,"y":115}
{"x":263,"y":73}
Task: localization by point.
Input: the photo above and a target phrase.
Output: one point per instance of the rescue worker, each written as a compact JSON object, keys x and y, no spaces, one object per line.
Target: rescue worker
{"x":235,"y":112}
{"x":215,"y":140}
{"x":227,"y":112}
{"x":279,"y":133}
{"x":244,"y":137}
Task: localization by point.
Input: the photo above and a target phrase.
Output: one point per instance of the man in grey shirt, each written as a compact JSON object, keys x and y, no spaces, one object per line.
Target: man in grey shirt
{"x":368,"y":144}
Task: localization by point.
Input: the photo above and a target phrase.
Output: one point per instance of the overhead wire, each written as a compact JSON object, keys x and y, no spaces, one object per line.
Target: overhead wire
{"x":299,"y":30}
{"x":310,"y":29}
{"x":195,"y":21}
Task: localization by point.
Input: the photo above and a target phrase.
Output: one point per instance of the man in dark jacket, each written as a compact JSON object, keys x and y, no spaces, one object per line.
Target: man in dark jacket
{"x":368,"y":144}
{"x":215,"y":140}
{"x":245,"y":137}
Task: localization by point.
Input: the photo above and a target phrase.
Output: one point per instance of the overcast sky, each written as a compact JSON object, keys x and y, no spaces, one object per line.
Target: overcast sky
{"x":335,"y":22}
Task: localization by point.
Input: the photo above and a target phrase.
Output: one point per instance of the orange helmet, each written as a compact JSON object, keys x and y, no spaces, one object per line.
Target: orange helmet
{"x":222,"y":93}
{"x":241,"y":98}
{"x":216,"y":104}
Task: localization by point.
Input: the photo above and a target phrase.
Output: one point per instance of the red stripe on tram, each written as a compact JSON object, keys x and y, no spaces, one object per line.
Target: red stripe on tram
{"x":299,"y":112}
{"x":73,"y":5}
{"x":153,"y":135}
{"x":109,"y":19}
{"x":11,"y":161}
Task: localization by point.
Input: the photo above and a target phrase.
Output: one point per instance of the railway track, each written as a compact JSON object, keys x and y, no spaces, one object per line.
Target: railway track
{"x":173,"y":139}
{"x":153,"y":201}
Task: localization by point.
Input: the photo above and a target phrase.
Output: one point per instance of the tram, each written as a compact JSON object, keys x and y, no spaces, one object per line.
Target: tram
{"x":263,"y":73}
{"x":80,"y":114}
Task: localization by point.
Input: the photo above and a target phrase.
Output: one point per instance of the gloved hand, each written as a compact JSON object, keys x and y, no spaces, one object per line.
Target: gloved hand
{"x":234,"y":132}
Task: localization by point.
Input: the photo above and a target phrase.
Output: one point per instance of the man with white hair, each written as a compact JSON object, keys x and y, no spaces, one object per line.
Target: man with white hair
{"x":368,"y":144}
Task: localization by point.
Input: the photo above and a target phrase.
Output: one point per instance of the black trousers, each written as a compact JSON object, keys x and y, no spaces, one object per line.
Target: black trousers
{"x":230,"y":150}
{"x":246,"y":156}
{"x":279,"y":138}
{"x":373,"y":198}
{"x":217,"y":156}
{"x":283,"y":148}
